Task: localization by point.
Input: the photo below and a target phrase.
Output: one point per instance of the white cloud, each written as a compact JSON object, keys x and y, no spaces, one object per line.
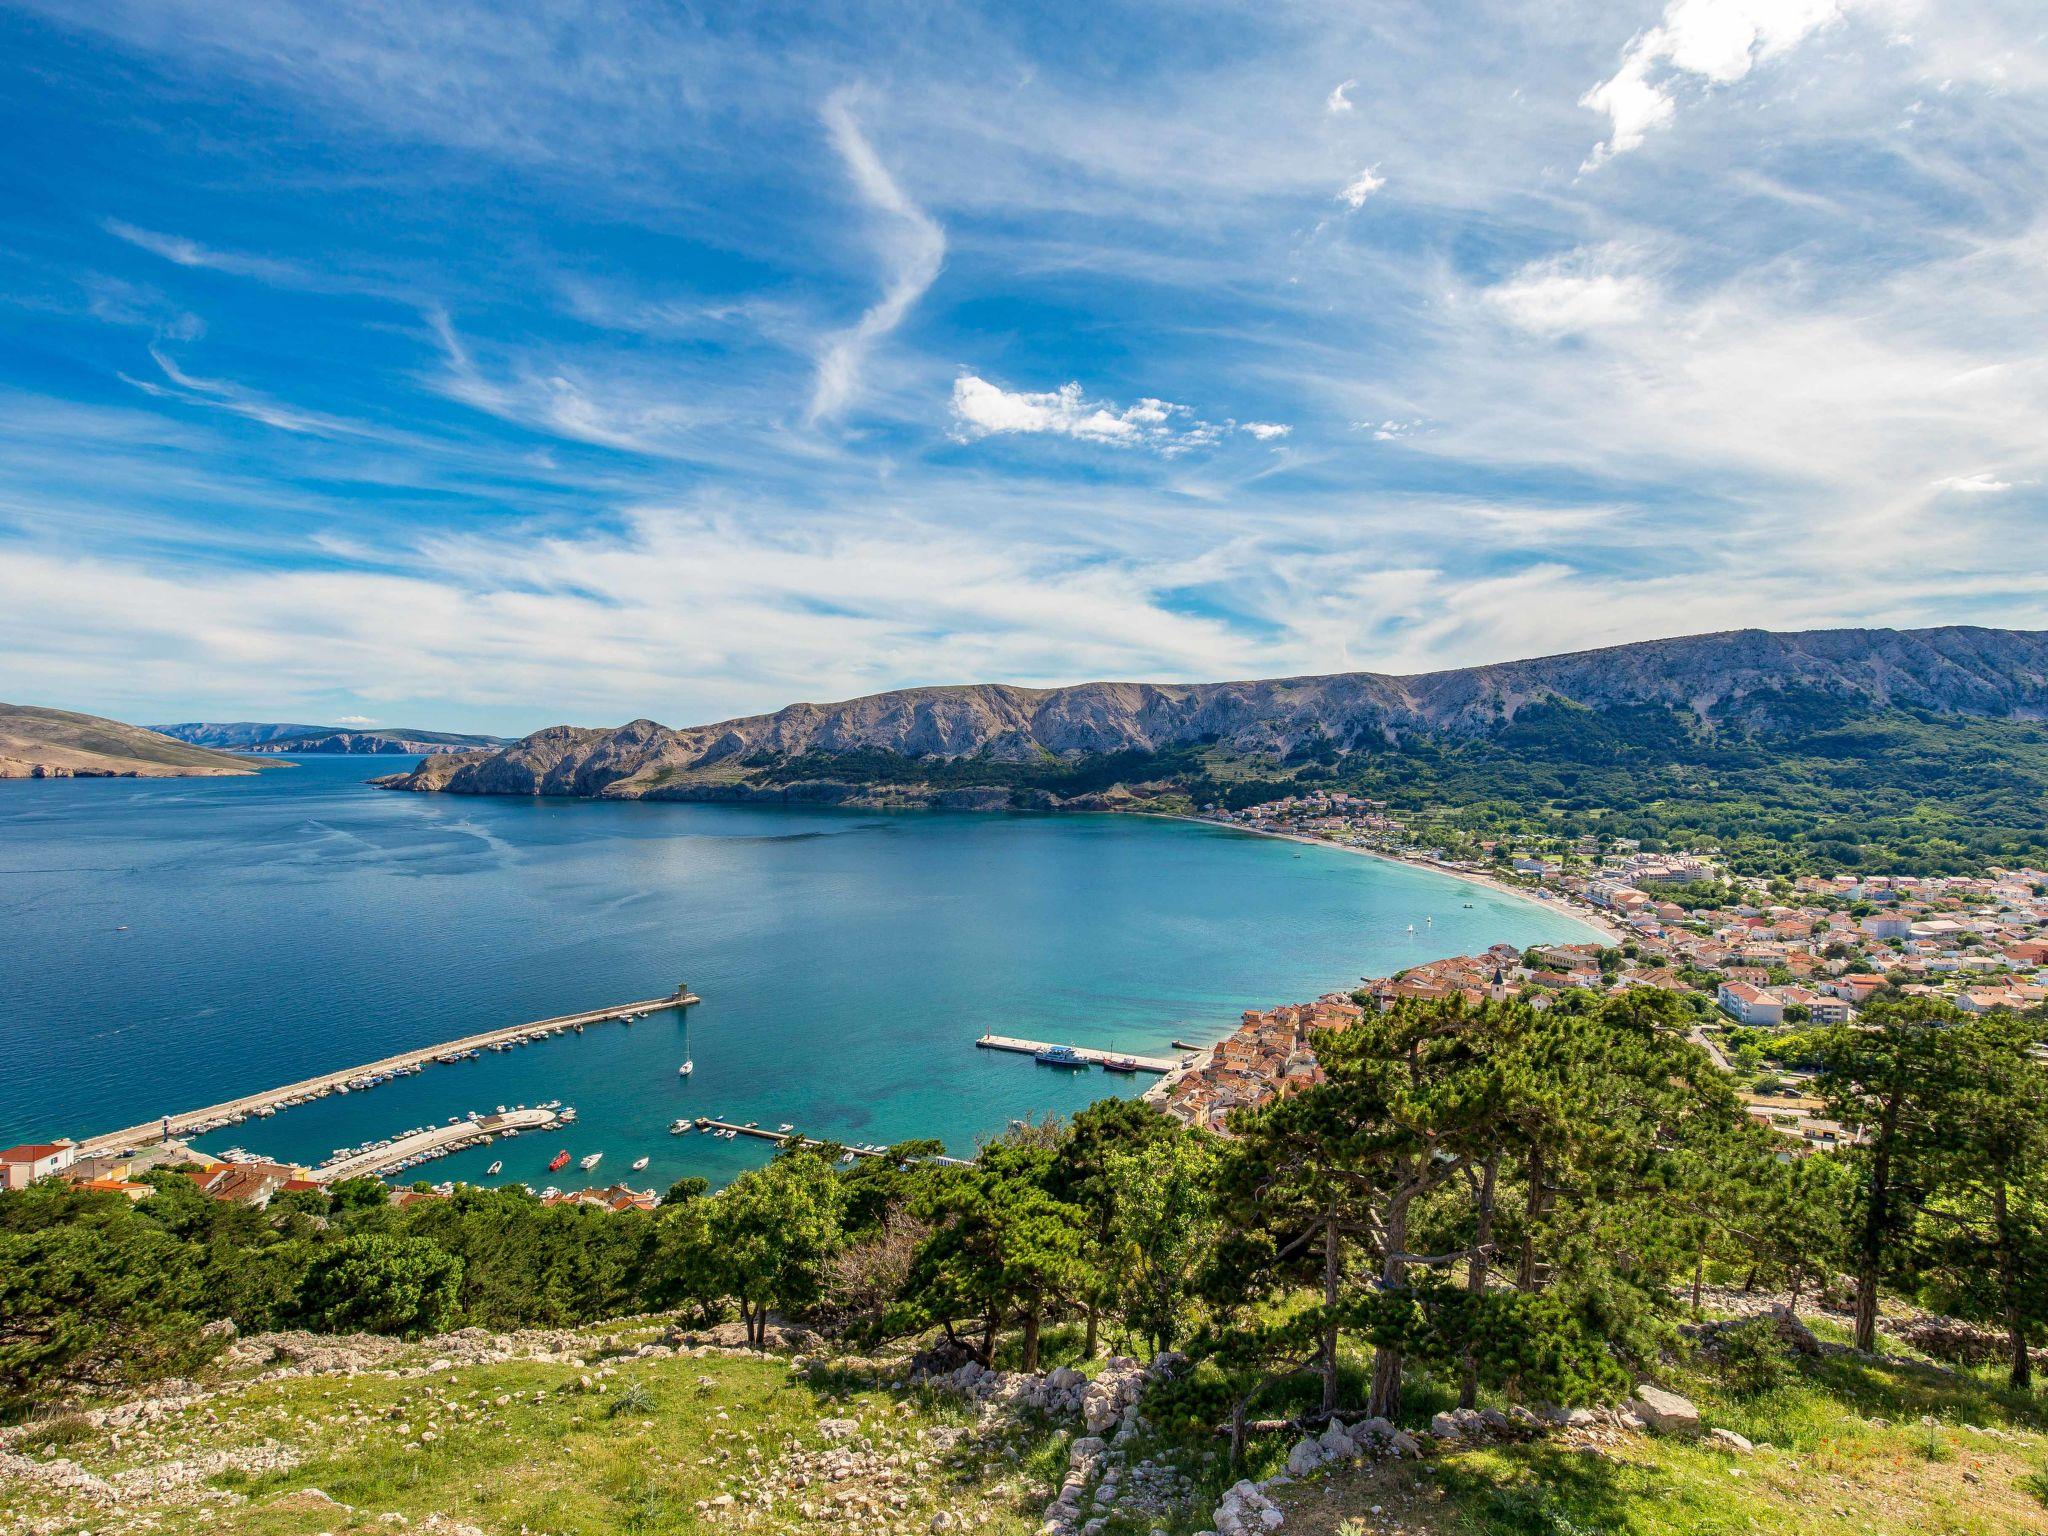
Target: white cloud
{"x":1716,"y":41}
{"x":982,"y":409}
{"x":1339,"y":100}
{"x":1973,"y":485}
{"x":1361,"y":187}
{"x":1569,"y":294}
{"x":916,"y":249}
{"x":354,"y":720}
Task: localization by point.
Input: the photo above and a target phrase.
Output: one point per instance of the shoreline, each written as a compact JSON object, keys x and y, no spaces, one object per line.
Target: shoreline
{"x":1579,"y":912}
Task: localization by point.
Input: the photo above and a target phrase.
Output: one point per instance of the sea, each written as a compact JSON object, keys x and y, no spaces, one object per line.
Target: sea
{"x":171,"y":943}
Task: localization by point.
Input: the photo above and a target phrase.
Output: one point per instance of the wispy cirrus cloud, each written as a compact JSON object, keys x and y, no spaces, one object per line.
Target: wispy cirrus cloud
{"x":913,"y":244}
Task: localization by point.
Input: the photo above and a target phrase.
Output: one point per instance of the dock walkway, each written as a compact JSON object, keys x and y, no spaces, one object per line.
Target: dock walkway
{"x":1086,"y":1053}
{"x":193,"y":1122}
{"x":432,"y":1142}
{"x":808,"y":1143}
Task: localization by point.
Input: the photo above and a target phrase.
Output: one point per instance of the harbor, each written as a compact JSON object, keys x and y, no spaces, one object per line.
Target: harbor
{"x":1079,"y":1055}
{"x":411,"y":1148}
{"x":198,"y":1122}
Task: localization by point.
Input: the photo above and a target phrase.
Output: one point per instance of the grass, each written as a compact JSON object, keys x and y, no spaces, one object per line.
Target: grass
{"x":1845,"y":1446}
{"x":518,"y":1447}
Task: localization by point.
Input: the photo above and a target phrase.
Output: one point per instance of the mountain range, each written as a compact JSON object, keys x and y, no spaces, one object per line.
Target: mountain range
{"x":1747,"y":679}
{"x":271,"y":737}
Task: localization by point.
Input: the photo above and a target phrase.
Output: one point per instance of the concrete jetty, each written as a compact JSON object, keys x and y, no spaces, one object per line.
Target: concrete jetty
{"x":1085,"y":1053}
{"x":197,"y":1122}
{"x":431,"y":1142}
{"x":808,"y":1143}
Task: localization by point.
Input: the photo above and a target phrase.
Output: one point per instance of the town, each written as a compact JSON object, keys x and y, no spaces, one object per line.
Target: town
{"x":1759,"y":960}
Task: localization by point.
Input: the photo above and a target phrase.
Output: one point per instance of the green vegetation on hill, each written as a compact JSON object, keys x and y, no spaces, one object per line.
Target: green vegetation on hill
{"x":1814,"y":785}
{"x":1482,"y":1206}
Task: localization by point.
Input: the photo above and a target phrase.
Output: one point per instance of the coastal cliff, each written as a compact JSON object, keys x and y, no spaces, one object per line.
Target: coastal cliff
{"x":59,"y":744}
{"x":1010,"y":747}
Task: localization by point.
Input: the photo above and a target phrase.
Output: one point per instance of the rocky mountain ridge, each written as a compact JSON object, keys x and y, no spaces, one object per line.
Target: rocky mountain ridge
{"x":275,"y":737}
{"x":1739,"y":673}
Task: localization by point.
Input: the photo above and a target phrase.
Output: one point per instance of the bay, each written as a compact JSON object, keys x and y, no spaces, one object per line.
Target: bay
{"x":171,"y":943}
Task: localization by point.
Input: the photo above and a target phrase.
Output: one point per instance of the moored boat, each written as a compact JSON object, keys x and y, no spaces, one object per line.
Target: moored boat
{"x":1059,"y":1056}
{"x":494,"y":1170}
{"x":1119,"y":1064}
{"x":591,"y":1161}
{"x":639,"y":1163}
{"x":559,"y":1161}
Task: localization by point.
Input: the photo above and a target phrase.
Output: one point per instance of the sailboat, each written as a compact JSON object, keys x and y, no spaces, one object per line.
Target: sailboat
{"x":688,"y":1065}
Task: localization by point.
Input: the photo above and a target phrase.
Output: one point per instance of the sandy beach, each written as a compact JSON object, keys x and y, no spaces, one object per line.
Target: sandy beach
{"x":1579,"y":911}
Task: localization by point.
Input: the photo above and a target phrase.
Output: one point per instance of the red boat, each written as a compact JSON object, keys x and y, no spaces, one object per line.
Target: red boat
{"x":561,"y":1161}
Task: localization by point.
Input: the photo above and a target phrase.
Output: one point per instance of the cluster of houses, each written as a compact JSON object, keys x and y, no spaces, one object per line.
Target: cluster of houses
{"x":1770,"y":956}
{"x":243,"y":1180}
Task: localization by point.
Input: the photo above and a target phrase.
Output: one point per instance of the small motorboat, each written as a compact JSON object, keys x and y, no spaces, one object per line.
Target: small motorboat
{"x":494,"y":1170}
{"x":639,"y":1164}
{"x":678,"y":1127}
{"x":785,"y":1128}
{"x":559,"y":1161}
{"x":591,"y":1161}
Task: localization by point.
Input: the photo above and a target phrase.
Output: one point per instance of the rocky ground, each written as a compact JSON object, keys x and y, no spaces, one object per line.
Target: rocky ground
{"x":646,"y":1426}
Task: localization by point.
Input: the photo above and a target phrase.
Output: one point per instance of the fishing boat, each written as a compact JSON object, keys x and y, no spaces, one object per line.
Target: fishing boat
{"x":1059,"y":1056}
{"x":494,"y":1170}
{"x":639,"y":1163}
{"x":559,"y":1161}
{"x":1119,"y":1064}
{"x":785,"y":1128}
{"x":591,"y":1161}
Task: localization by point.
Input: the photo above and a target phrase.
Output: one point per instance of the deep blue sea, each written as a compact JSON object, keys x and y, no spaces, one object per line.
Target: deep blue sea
{"x":170,"y":943}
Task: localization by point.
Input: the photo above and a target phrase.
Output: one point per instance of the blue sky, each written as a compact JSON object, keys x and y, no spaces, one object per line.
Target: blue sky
{"x":493,"y":366}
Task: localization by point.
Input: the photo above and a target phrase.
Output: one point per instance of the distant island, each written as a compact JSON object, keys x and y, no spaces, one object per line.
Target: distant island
{"x":273,"y":738}
{"x":1915,"y":750}
{"x":58,"y":744}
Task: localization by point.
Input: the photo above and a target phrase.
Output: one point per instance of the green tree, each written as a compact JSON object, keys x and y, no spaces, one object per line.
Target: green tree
{"x":1163,"y":1225}
{"x":381,"y":1284}
{"x":1002,"y":1248}
{"x":93,"y":1299}
{"x":1892,"y":1076}
{"x":1988,"y":1227}
{"x":1080,"y":1176}
{"x":772,"y":1229}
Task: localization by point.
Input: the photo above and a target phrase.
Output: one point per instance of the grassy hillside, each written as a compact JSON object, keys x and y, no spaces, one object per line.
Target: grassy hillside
{"x":590,"y":1441}
{"x":55,"y":743}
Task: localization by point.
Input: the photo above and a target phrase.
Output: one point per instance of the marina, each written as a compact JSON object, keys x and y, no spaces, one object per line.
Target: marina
{"x":197,"y":1122}
{"x":782,"y":1133}
{"x":1078,"y":1055}
{"x":409,"y":1149}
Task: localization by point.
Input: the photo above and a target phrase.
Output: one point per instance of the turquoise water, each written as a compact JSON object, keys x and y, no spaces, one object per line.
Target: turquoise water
{"x":167,"y":944}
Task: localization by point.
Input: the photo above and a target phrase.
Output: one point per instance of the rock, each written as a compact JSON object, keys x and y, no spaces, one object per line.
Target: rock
{"x":839,"y":1429}
{"x":1732,"y":1440}
{"x":1404,"y":1444}
{"x":1337,"y":1443}
{"x":1664,"y":1411}
{"x":1306,"y":1456}
{"x":1445,"y":1426}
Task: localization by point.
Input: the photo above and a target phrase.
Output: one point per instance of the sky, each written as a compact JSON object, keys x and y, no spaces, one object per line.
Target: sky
{"x":486,"y":367}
